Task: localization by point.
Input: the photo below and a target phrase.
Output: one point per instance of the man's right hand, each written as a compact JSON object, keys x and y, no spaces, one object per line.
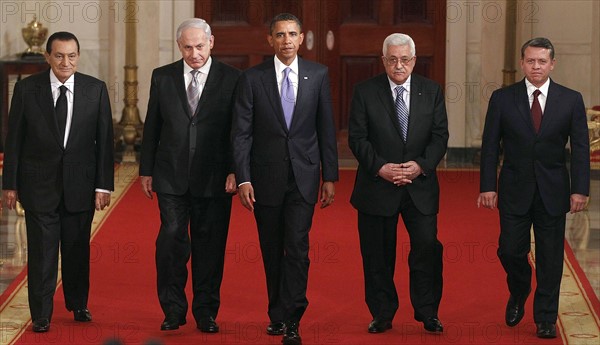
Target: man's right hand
{"x":246,"y":193}
{"x":487,"y":200}
{"x":10,"y":198}
{"x":147,"y":185}
{"x":388,"y":171}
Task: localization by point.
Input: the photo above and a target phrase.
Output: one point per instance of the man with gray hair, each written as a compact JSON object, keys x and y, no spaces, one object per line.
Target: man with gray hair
{"x":186,"y":159}
{"x":398,"y":131}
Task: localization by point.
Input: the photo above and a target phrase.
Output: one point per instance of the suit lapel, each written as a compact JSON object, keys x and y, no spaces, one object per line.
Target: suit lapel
{"x":416,"y":94}
{"x":304,"y":81}
{"x":179,"y":82}
{"x":552,"y":103}
{"x":269,"y":81}
{"x":211,"y":86}
{"x":522,"y":103}
{"x":387,"y":100}
{"x":46,"y":103}
{"x":79,"y":106}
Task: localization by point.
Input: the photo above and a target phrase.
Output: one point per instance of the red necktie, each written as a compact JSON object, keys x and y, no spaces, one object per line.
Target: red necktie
{"x":536,"y":111}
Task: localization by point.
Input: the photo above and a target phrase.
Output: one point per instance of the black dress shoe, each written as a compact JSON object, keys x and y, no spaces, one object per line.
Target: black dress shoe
{"x":546,"y":330}
{"x":41,"y":325}
{"x":291,"y":335}
{"x":379,"y":325}
{"x":515,"y":309}
{"x":82,"y":315}
{"x":433,"y":324}
{"x":275,"y":328}
{"x":172,"y":322}
{"x":207,"y":325}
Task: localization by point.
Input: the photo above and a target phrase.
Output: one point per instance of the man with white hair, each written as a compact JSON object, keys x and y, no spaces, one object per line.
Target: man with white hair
{"x":398,"y":131}
{"x":186,"y":159}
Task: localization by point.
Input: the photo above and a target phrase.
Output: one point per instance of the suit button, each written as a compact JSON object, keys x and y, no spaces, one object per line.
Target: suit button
{"x":286,"y":159}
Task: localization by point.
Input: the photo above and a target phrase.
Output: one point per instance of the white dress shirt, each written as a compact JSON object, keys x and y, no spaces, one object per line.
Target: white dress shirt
{"x":405,"y":95}
{"x":541,"y":97}
{"x":55,"y":84}
{"x":202,"y":76}
{"x":293,"y":75}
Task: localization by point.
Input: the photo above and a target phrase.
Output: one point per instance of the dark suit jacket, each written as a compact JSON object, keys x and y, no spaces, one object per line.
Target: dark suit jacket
{"x":263,"y":145}
{"x":35,"y":162}
{"x":374,"y":138}
{"x":181,"y":150}
{"x":532,"y":159}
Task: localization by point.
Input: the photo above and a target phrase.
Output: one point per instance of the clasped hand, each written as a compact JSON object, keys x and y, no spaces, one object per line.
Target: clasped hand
{"x":400,"y":174}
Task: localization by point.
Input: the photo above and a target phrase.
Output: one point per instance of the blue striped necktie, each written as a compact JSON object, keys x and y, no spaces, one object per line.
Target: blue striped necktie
{"x":401,"y":111}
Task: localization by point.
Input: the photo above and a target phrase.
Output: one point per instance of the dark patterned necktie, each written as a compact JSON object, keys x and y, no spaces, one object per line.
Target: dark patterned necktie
{"x":60,"y":110}
{"x":401,"y":111}
{"x":536,"y":111}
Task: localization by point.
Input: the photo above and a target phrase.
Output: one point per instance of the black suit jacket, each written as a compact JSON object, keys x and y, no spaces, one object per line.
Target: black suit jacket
{"x":374,"y":138}
{"x":263,"y":145}
{"x":35,"y":162}
{"x":181,"y":150}
{"x":532,"y":159}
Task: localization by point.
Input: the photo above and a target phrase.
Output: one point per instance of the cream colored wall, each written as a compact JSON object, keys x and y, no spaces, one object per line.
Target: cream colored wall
{"x":574,"y":28}
{"x":100,"y":28}
{"x":87,"y":19}
{"x":475,"y":45}
{"x":475,"y":58}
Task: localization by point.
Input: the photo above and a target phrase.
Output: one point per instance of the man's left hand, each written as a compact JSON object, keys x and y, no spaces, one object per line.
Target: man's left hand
{"x":406,"y":173}
{"x":102,"y":200}
{"x":578,"y":202}
{"x":230,"y":185}
{"x":327,"y":194}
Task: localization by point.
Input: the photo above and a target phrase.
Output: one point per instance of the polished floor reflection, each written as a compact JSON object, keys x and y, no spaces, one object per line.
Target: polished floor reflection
{"x":582,"y":234}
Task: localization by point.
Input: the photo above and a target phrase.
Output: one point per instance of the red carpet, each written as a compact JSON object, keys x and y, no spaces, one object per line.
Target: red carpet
{"x":124,"y":304}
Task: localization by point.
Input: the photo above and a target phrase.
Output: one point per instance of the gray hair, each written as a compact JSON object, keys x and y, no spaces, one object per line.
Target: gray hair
{"x":194,"y":23}
{"x":399,"y":40}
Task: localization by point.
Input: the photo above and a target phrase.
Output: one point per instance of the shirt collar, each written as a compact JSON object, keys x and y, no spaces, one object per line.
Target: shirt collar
{"x":543,"y":89}
{"x":204,"y":69}
{"x":280,"y":66}
{"x":406,"y":84}
{"x":57,"y":83}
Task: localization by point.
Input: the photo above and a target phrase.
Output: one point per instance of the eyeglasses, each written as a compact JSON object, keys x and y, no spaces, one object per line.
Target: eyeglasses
{"x":393,"y":61}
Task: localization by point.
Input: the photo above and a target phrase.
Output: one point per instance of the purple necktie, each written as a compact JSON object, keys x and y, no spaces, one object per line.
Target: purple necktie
{"x":288,"y":99}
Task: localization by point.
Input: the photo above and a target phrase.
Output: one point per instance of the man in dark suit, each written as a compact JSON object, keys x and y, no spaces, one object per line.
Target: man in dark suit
{"x":58,"y":162}
{"x":283,"y":138}
{"x":186,"y":159}
{"x":398,"y":131}
{"x":532,"y":121}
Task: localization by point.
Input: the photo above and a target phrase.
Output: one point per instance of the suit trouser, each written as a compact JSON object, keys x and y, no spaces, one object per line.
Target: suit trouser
{"x":515,"y":244}
{"x":378,"y":236}
{"x":283,"y":234}
{"x":46,"y":233}
{"x":208,"y":220}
